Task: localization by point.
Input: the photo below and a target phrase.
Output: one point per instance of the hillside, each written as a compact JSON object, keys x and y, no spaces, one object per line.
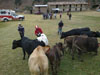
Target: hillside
{"x":4,"y":4}
{"x":9,"y":4}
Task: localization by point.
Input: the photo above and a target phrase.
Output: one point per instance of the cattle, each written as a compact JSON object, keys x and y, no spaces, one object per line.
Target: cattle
{"x":38,"y":61}
{"x":54,"y":56}
{"x":68,"y":42}
{"x":91,"y":33}
{"x":27,"y":45}
{"x":82,"y":44}
{"x":76,"y":31}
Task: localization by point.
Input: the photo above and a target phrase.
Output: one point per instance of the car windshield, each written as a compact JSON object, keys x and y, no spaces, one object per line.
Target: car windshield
{"x":14,"y":14}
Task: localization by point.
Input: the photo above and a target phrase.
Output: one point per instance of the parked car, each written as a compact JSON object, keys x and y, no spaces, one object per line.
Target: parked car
{"x":98,"y":10}
{"x":38,"y":13}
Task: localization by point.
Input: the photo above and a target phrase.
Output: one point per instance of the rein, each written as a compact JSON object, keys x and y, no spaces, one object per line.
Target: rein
{"x":47,"y":51}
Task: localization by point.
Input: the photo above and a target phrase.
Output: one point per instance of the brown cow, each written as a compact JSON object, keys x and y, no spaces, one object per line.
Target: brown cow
{"x":54,"y":56}
{"x":68,"y":42}
{"x":82,"y":44}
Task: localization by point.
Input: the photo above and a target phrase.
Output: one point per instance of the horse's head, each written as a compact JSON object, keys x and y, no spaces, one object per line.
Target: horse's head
{"x":16,"y":44}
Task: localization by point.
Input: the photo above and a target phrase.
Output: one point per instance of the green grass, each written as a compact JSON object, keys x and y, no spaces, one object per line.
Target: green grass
{"x":11,"y":62}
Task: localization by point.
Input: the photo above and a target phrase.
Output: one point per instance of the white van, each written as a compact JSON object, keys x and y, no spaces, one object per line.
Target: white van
{"x":7,"y":15}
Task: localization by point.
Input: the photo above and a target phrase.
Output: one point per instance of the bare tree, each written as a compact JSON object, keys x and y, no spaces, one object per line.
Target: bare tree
{"x":18,"y":3}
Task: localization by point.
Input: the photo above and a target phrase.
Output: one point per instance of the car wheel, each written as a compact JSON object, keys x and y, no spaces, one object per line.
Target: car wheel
{"x":21,"y":19}
{"x":5,"y":20}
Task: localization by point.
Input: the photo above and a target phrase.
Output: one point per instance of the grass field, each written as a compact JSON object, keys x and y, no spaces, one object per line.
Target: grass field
{"x":11,"y":62}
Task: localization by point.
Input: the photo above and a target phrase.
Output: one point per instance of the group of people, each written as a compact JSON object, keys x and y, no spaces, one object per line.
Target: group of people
{"x":38,"y":32}
{"x":51,"y":15}
{"x":47,"y":16}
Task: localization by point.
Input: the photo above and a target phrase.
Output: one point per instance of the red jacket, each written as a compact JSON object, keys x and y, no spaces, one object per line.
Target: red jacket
{"x":38,"y":30}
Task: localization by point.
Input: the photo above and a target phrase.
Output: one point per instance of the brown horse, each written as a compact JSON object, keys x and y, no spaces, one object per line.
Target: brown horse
{"x":54,"y":55}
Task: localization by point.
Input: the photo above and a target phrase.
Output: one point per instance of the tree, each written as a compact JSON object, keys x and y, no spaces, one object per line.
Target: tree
{"x":18,"y":3}
{"x":45,"y":1}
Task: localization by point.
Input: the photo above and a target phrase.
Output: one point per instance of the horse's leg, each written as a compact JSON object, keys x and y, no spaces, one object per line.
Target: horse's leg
{"x":24,"y":54}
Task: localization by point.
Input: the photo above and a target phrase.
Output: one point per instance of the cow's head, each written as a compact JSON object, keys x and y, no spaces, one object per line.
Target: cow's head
{"x":61,"y":47}
{"x":45,"y":48}
{"x":16,"y":44}
{"x":63,"y":35}
{"x":98,"y":34}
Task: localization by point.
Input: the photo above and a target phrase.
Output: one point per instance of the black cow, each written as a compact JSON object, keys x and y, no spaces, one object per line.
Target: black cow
{"x":27,"y":45}
{"x":74,"y":32}
{"x":91,"y":33}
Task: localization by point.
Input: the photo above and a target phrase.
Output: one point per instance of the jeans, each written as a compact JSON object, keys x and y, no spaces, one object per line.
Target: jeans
{"x":59,"y":30}
{"x":21,"y":34}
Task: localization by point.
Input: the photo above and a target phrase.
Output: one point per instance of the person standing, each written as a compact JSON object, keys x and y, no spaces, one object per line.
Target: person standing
{"x":70,"y":16}
{"x":60,"y":25}
{"x":44,"y":16}
{"x":60,"y":15}
{"x":21,"y":30}
{"x":67,"y":13}
{"x":55,"y":15}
